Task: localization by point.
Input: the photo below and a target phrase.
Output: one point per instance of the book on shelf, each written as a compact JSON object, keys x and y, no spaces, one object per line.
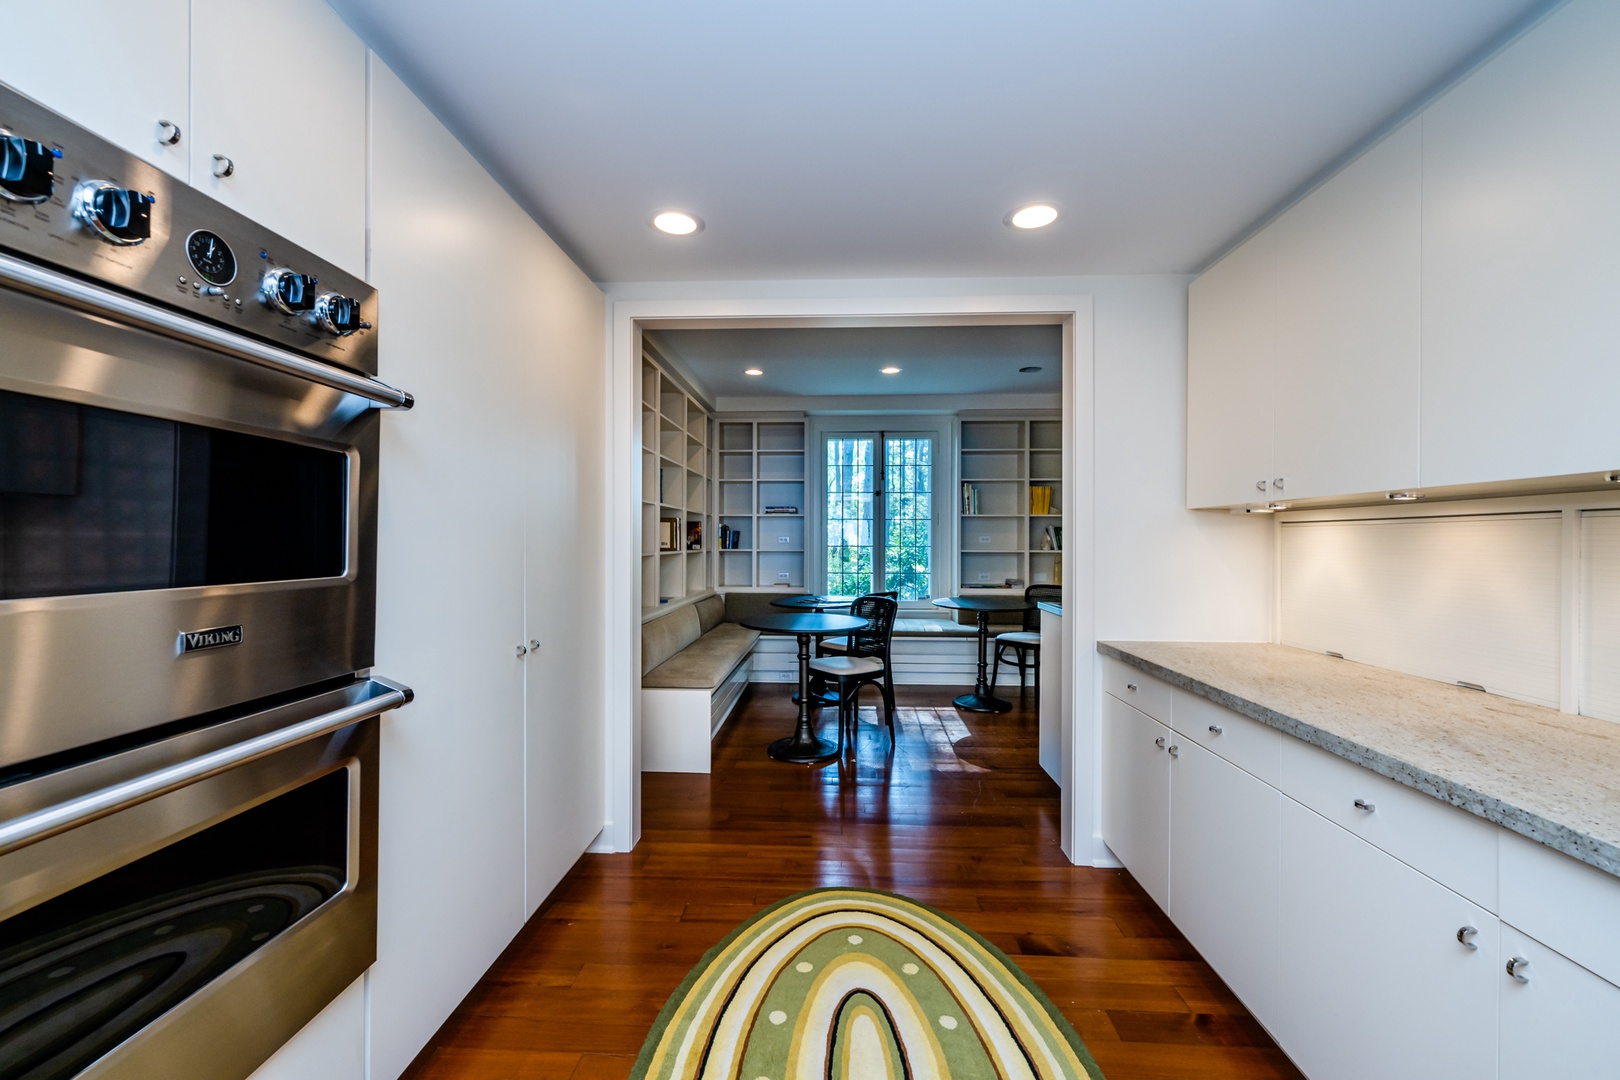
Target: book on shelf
{"x":694,"y":536}
{"x":1057,"y":536}
{"x":1040,"y":499}
{"x":781,"y":509}
{"x":970,"y":498}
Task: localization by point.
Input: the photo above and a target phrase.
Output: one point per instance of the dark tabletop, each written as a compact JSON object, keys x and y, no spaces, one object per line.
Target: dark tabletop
{"x":814,"y":603}
{"x":803,"y":622}
{"x":985,"y":603}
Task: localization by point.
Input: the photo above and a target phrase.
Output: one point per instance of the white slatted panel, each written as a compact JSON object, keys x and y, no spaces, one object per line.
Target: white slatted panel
{"x":1600,"y":614}
{"x":1471,"y":599}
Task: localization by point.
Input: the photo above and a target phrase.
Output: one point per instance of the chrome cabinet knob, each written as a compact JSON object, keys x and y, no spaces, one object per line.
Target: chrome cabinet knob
{"x":1277,"y":483}
{"x":1363,"y":804}
{"x":1159,"y":742}
{"x":223,"y":166}
{"x":1465,"y":937}
{"x":1215,"y":729}
{"x":522,"y":649}
{"x":1259,"y":485}
{"x":168,"y":132}
{"x":1515,"y":968}
{"x":534,"y":644}
{"x":1131,"y":687}
{"x":1175,"y":751}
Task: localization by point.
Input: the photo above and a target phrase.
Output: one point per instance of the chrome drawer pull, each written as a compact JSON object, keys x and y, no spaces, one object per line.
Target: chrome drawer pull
{"x":1130,"y":686}
{"x":1175,"y":751}
{"x":1515,"y":968}
{"x":1463,"y":936}
{"x":1159,"y":742}
{"x":1215,"y":729}
{"x":1363,"y":804}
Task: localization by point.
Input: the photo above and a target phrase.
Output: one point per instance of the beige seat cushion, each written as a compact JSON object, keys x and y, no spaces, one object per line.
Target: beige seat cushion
{"x":1018,"y":637}
{"x":663,"y":637}
{"x":846,"y":665}
{"x":704,"y":664}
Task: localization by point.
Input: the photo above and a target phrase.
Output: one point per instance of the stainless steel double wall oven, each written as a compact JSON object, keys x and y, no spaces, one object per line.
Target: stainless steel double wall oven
{"x":189,"y":416}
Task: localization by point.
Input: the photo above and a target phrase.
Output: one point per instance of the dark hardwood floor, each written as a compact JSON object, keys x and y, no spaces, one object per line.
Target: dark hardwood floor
{"x":959,"y":816}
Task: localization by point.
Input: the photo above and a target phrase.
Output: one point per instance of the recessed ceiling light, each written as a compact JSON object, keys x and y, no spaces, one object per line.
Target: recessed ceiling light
{"x":1031,"y":369}
{"x":891,"y":370}
{"x":676,"y":223}
{"x":753,"y":371}
{"x":1034,"y":216}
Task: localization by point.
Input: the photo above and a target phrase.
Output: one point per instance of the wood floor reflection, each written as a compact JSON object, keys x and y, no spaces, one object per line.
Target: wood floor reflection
{"x":958,"y":815}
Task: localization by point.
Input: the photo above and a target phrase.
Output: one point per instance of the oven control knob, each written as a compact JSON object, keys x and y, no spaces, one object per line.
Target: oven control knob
{"x":338,"y":314}
{"x":288,"y":291}
{"x":27,"y":169}
{"x":117,"y":215}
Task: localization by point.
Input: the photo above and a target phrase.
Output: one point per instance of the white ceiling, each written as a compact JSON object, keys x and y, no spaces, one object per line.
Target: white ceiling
{"x":862,"y":138}
{"x":845,"y":361}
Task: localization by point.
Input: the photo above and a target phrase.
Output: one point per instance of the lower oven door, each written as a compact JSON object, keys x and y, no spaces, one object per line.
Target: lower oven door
{"x":182,"y":909}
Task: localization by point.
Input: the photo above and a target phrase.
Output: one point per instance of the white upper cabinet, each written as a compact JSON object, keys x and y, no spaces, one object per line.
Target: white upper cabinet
{"x":121,"y":83}
{"x":280,"y":92}
{"x":1521,"y":226}
{"x":1348,"y":329}
{"x":1231,"y":346}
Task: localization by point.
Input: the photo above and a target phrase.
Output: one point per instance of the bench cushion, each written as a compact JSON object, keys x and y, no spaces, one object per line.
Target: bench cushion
{"x":663,"y":637}
{"x":704,"y":664}
{"x":711,"y":612}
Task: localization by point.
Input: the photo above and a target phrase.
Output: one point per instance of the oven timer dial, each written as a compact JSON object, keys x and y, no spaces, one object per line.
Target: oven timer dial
{"x":117,"y":215}
{"x":338,"y":314}
{"x":288,"y":291}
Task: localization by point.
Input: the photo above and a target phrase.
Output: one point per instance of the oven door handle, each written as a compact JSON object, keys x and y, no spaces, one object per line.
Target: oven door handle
{"x":43,"y":824}
{"x":37,"y":280}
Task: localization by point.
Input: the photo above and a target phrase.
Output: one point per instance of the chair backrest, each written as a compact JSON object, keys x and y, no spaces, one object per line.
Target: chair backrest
{"x":1035,"y":593}
{"x":873,"y":638}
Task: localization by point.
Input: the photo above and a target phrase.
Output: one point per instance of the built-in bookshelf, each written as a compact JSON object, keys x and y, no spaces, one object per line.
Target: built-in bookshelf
{"x":759,"y":465}
{"x":676,"y":489}
{"x":1006,"y":522}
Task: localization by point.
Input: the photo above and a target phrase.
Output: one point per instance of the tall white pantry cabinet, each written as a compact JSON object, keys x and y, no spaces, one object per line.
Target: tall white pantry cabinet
{"x":1439,"y":312}
{"x":492,"y":781}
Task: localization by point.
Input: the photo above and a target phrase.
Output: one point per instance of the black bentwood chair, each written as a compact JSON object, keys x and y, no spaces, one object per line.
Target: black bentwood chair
{"x":865,"y":660}
{"x":1025,"y":643}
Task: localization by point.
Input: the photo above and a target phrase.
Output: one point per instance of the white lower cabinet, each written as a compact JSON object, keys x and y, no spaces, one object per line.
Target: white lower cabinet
{"x":1225,"y":862}
{"x":1374,"y":979}
{"x":1136,"y":795}
{"x":1557,"y":1018}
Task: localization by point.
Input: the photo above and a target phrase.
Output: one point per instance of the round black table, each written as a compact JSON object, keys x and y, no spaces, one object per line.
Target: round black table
{"x":802,"y":746}
{"x":822,"y":696}
{"x":982,"y":700}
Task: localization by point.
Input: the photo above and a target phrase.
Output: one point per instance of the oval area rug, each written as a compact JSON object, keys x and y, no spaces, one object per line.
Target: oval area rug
{"x":854,"y":984}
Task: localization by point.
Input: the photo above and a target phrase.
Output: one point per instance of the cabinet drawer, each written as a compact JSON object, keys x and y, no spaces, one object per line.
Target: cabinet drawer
{"x":1451,"y":846}
{"x":1248,"y":744}
{"x":1561,"y":902}
{"x":1141,"y":692}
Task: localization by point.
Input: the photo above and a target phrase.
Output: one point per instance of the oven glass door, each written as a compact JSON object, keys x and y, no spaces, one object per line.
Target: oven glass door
{"x":93,"y":500}
{"x":85,"y":970}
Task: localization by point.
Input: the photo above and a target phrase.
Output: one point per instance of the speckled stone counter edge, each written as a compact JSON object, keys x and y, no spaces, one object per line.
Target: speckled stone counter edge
{"x":1589,"y":849}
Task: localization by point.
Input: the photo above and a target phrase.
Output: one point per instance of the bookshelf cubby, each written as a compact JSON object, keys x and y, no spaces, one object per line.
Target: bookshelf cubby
{"x":761,"y":463}
{"x":676,"y":483}
{"x":1001,"y":460}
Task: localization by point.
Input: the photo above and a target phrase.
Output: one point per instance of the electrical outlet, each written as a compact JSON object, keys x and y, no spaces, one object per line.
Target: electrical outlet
{"x":984,"y":577}
{"x":786,"y":676}
{"x":984,"y":539}
{"x":784,"y":577}
{"x":784,"y":539}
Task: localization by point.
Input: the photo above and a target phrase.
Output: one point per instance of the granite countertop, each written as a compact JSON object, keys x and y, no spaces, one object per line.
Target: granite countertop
{"x":1548,"y":775}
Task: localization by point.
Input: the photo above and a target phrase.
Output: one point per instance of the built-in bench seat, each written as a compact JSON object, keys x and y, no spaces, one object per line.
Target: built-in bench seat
{"x":694,"y":667}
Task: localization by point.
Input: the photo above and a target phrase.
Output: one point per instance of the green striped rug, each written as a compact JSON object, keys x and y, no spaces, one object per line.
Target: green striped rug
{"x":851,"y":984}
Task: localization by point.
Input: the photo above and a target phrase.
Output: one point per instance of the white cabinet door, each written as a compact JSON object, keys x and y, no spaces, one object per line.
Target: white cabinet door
{"x":280,"y":90}
{"x":1136,"y":795}
{"x":1520,"y":228}
{"x":1374,"y":981}
{"x":1348,"y":320}
{"x":1225,"y":866}
{"x":1231,"y":331}
{"x":1558,"y":1018}
{"x":116,"y":68}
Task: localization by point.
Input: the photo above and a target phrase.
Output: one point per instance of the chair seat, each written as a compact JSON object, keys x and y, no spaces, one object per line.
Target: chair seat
{"x":843,"y":666}
{"x":1018,"y":637}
